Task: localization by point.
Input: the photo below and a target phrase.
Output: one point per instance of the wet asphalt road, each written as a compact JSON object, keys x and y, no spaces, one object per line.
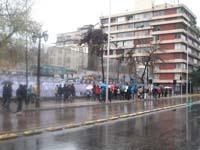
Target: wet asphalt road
{"x":167,"y":130}
{"x":46,"y":118}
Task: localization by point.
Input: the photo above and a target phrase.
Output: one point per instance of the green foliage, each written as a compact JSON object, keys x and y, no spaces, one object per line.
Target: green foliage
{"x":95,"y":38}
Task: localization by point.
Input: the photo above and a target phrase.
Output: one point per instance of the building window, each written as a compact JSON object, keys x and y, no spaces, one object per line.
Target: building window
{"x":122,"y":27}
{"x":156,"y":28}
{"x":120,"y":44}
{"x":142,"y":33}
{"x":141,"y":25}
{"x":138,"y":16}
{"x":113,"y":20}
{"x":195,"y":61}
{"x":158,"y":13}
{"x":189,"y":50}
{"x":179,"y":46}
{"x":128,"y":43}
{"x":104,"y":21}
{"x":178,"y":35}
{"x":129,"y":17}
{"x":130,"y":26}
{"x":113,"y":28}
{"x":125,"y":34}
{"x":180,"y":66}
{"x":121,"y":19}
{"x":156,"y":37}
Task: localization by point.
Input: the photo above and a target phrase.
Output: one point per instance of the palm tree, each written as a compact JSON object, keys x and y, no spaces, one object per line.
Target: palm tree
{"x":95,"y":39}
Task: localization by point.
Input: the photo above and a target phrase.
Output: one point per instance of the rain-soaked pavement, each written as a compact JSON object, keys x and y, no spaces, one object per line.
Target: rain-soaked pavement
{"x":10,"y":122}
{"x":166,"y":130}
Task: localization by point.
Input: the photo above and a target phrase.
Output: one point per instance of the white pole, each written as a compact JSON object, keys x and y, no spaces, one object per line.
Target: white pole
{"x":187,"y":68}
{"x":108,"y":52}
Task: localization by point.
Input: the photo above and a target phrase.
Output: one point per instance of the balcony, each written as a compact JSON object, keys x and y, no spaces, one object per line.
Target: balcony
{"x":171,"y":71}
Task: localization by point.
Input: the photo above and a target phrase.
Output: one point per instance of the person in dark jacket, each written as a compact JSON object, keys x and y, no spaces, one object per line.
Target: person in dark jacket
{"x":4,"y":95}
{"x":65,"y":93}
{"x":109,"y":94}
{"x":7,"y":94}
{"x":21,"y":95}
{"x":60,"y":92}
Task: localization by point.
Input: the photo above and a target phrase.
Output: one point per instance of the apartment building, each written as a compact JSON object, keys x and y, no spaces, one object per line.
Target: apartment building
{"x":72,"y":37}
{"x":71,"y":57}
{"x":169,"y":27}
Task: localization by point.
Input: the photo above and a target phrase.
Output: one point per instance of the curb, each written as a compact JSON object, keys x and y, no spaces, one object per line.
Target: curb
{"x":86,"y":123}
{"x":68,"y":126}
{"x":8,"y":136}
{"x":31,"y":132}
{"x":51,"y":129}
{"x":98,"y":104}
{"x":114,"y":118}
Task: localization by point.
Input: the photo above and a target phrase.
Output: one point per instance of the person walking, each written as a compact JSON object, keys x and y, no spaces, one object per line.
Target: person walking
{"x":8,"y":95}
{"x":73,"y":92}
{"x":29,"y":94}
{"x":94,"y":91}
{"x":56,"y":92}
{"x":20,"y":94}
{"x":97,"y":93}
{"x":34,"y":93}
{"x":4,"y":95}
{"x":60,"y":91}
{"x":109,"y":94}
{"x":65,"y":93}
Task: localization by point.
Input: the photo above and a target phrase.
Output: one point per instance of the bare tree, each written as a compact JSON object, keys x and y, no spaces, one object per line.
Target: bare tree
{"x":147,"y":59}
{"x":15,"y":24}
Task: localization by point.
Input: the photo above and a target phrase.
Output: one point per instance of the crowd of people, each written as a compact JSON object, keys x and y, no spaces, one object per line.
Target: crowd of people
{"x":20,"y":96}
{"x":68,"y":92}
{"x":65,"y":93}
{"x":126,"y":92}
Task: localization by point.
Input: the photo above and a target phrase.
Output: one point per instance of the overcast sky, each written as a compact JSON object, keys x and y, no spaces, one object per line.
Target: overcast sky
{"x":60,"y":16}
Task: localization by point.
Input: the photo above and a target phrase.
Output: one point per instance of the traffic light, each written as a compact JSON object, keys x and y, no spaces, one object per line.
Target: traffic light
{"x":174,"y":82}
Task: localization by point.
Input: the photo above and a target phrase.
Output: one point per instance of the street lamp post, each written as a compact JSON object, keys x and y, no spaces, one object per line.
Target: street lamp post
{"x":26,"y":50}
{"x":39,"y":36}
{"x":187,"y":67}
{"x":108,"y":52}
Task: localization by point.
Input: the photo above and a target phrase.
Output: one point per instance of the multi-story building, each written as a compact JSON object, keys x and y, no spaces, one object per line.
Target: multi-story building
{"x":72,"y":56}
{"x":67,"y":52}
{"x":170,"y":27}
{"x":72,"y":37}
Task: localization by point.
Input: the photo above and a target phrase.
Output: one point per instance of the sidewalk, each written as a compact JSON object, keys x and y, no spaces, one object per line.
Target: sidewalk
{"x":72,"y":113}
{"x":52,"y":104}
